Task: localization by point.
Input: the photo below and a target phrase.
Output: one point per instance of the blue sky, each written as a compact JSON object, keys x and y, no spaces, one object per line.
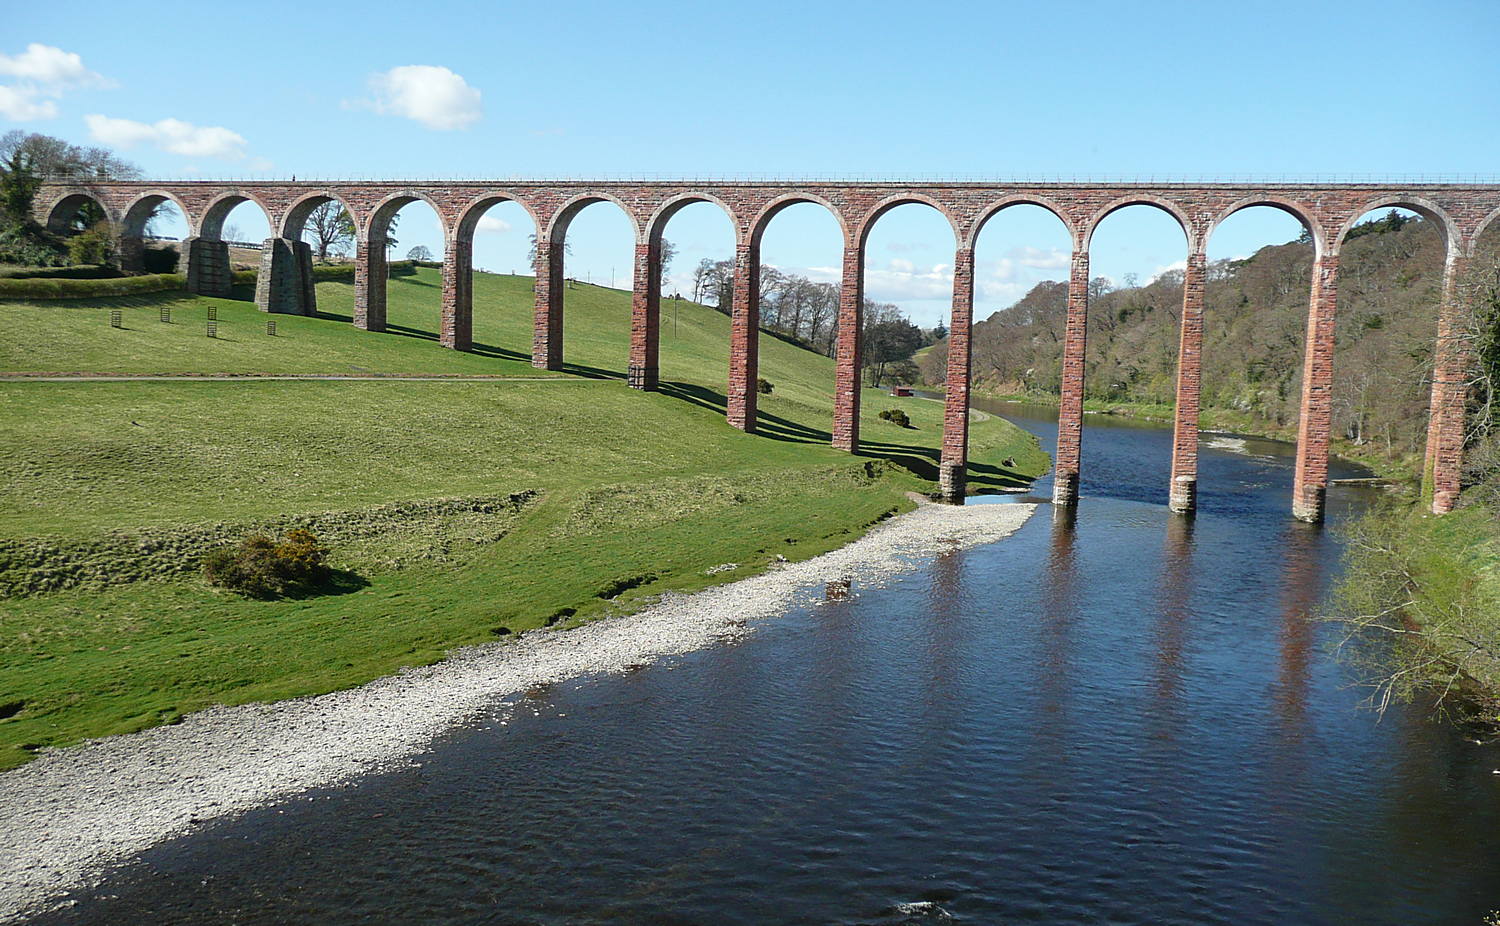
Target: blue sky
{"x":1163,"y":90}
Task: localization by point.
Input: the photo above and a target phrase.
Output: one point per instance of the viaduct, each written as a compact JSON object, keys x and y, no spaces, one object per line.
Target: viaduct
{"x":1460,"y":211}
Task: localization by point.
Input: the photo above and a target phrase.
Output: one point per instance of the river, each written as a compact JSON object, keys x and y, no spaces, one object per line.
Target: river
{"x":1124,"y":717}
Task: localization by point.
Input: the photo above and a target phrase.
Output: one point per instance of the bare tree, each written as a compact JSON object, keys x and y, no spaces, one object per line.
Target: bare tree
{"x":420,"y":252}
{"x":330,"y":230}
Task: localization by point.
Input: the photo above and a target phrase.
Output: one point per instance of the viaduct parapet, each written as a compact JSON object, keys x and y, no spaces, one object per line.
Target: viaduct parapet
{"x":1461,"y":212}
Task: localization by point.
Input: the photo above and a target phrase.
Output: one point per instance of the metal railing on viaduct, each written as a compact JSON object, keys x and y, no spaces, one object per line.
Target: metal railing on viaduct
{"x":1460,"y":211}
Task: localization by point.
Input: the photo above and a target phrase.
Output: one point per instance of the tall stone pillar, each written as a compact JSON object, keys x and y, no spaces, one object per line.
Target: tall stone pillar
{"x":547,"y":321}
{"x":744,"y":338}
{"x":1070,"y":403}
{"x":307,"y":292}
{"x":205,"y":263}
{"x":847,"y":360}
{"x":645,"y":317}
{"x":1315,"y":423}
{"x":457,"y":325}
{"x":1451,"y":367}
{"x":1184,"y":490}
{"x":370,"y":274}
{"x":279,"y":286}
{"x":953,"y":470}
{"x":130,"y":251}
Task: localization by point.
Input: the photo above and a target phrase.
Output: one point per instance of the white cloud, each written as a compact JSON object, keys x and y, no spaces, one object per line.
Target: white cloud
{"x":171,"y":135}
{"x":434,"y":96}
{"x":493,"y":225}
{"x":1175,"y":265}
{"x":22,"y":105}
{"x":43,"y":73}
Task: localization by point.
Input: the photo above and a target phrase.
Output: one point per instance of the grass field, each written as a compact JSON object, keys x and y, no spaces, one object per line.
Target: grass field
{"x":634,"y":493}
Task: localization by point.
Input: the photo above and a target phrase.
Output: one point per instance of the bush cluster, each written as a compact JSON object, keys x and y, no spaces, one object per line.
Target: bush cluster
{"x":94,"y":246}
{"x":896,"y":417}
{"x":81,"y":272}
{"x":90,"y":289}
{"x":763,"y":385}
{"x":160,"y":260}
{"x":259,"y":567}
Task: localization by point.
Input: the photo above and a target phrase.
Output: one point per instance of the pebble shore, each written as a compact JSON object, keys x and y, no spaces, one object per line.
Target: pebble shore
{"x":72,"y":814}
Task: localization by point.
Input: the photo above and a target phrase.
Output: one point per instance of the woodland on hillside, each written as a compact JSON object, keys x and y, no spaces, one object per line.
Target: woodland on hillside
{"x":1255,"y":315}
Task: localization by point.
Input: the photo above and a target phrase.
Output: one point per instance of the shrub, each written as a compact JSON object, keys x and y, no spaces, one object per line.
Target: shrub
{"x":896,"y":417}
{"x":90,"y":289}
{"x":95,"y":246}
{"x":29,"y":247}
{"x":160,"y":260}
{"x":259,"y":567}
{"x":763,"y":385}
{"x":80,"y":272}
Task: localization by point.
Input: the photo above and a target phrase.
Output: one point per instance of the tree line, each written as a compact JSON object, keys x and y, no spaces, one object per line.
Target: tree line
{"x":806,"y":311}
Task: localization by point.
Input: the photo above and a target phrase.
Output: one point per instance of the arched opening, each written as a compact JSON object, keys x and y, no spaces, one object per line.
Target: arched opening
{"x":232,"y":235}
{"x":151,"y":234}
{"x":494,"y":266}
{"x":1399,"y":389}
{"x":1260,"y":273}
{"x":405,"y":233}
{"x":1138,"y":255}
{"x":75,"y":213}
{"x":1022,"y":259}
{"x":796,"y":251}
{"x":909,"y":250}
{"x":593,"y":248}
{"x":686,"y":348}
{"x":286,"y":281}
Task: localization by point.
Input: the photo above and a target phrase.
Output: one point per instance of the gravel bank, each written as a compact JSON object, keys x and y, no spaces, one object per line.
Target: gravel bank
{"x":71,"y":814}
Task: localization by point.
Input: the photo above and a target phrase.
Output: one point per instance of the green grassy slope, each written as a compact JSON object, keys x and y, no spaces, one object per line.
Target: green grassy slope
{"x":632,"y":489}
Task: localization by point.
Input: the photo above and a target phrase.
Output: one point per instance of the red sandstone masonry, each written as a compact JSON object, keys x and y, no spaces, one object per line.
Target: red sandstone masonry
{"x":458,"y":295}
{"x":1184,"y":485}
{"x":645,"y":317}
{"x":952,"y":471}
{"x":847,"y":350}
{"x":1070,"y":403}
{"x":1310,"y":482}
{"x":744,"y":338}
{"x":1328,"y":210}
{"x":1451,"y":367}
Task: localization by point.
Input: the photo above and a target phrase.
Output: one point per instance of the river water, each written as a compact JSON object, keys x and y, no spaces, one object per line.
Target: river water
{"x":1123,"y":717}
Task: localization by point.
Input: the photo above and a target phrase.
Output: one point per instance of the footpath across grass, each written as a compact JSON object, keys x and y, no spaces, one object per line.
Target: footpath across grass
{"x":114,"y":489}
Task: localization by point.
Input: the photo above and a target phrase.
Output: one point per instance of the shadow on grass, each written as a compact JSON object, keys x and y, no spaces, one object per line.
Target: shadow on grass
{"x":919,"y":460}
{"x":338,"y":582}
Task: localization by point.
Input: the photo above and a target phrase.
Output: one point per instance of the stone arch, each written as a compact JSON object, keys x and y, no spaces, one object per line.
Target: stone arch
{"x":474,"y":210}
{"x":386,"y":209}
{"x":1018,"y":199}
{"x":1426,"y":208}
{"x":62,"y":210}
{"x":211,"y":225}
{"x":905,"y":199}
{"x":557,"y":228}
{"x":138,"y":213}
{"x":657,"y":223}
{"x":1296,"y":210}
{"x":775,"y":206}
{"x":295,"y":219}
{"x":1139,"y":199}
{"x":1479,"y":231}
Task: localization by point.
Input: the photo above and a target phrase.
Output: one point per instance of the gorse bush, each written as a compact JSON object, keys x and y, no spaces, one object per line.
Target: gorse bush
{"x":763,"y":386}
{"x":95,"y":246}
{"x":896,"y":417}
{"x":259,"y":567}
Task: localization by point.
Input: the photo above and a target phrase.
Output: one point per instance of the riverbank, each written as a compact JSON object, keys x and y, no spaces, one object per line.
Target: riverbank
{"x":456,"y":510}
{"x":1427,"y":587}
{"x":74,"y":812}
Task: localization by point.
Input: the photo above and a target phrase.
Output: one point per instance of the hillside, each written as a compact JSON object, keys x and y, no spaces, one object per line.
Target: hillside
{"x":456,"y":512}
{"x":1255,"y":314}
